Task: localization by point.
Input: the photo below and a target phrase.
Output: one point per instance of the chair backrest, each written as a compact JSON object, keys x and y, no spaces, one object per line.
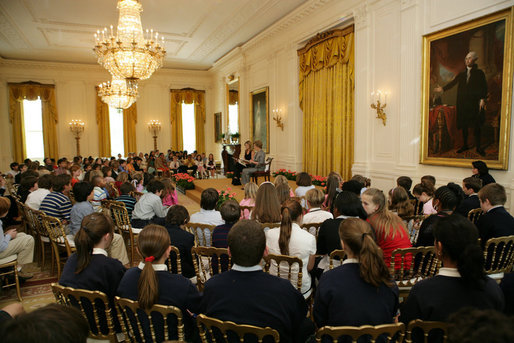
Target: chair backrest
{"x":286,"y":267}
{"x":209,"y":261}
{"x":336,"y":258}
{"x":418,"y":327}
{"x":94,"y":306}
{"x":410,"y":265}
{"x":21,"y":211}
{"x":246,"y":210}
{"x":202,"y":233}
{"x":36,"y":220}
{"x":499,"y":255}
{"x":266,"y":226}
{"x":177,"y":261}
{"x":121,"y":218}
{"x":56,"y":233}
{"x":140,"y":324}
{"x":267,"y":167}
{"x":215,"y":330}
{"x":106,"y":206}
{"x":312,"y":228}
{"x":394,"y":332}
{"x":475,"y":214}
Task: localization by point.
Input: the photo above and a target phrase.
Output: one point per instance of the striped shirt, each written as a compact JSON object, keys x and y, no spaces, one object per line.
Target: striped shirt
{"x":56,"y":205}
{"x":129,"y":202}
{"x":99,"y":195}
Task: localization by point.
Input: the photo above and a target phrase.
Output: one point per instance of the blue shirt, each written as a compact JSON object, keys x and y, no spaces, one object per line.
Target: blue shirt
{"x":78,"y":212}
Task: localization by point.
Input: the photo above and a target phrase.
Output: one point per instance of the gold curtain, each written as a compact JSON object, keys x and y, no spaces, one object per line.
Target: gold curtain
{"x":327,"y":99}
{"x":188,"y":96}
{"x":129,"y":128}
{"x":31,"y":91}
{"x":104,"y":131}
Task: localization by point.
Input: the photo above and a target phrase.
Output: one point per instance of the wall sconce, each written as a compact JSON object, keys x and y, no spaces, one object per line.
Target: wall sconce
{"x":77,"y":127}
{"x":277,"y":117}
{"x":379,"y":102}
{"x":155,"y":127}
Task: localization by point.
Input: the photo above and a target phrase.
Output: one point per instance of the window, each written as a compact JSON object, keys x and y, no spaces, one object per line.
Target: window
{"x":233,"y":124}
{"x":33,"y":129}
{"x":116,"y":130}
{"x":188,"y":127}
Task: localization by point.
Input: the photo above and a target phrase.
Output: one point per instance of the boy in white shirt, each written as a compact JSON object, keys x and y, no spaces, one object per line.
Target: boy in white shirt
{"x":315,"y":199}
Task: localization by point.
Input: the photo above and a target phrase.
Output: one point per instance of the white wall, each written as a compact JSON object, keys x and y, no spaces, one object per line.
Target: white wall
{"x":75,"y":97}
{"x":388,"y":41}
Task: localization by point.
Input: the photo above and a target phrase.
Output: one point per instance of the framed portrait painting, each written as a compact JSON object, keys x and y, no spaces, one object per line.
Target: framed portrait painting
{"x":259,"y":117}
{"x":467,"y":92}
{"x":217,"y":127}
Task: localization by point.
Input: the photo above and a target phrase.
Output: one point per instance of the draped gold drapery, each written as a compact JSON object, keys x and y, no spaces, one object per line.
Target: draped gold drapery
{"x":327,"y":99}
{"x":31,"y":91}
{"x":104,"y":130}
{"x":188,"y":96}
{"x":129,"y":128}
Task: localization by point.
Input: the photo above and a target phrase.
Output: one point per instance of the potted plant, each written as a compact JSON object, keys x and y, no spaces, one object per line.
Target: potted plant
{"x":235,"y":136}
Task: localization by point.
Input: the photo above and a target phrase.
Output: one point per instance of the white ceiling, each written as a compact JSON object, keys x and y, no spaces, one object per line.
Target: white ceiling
{"x":196,"y":32}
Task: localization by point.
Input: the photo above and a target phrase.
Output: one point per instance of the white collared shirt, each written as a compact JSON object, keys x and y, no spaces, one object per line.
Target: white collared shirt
{"x":450,"y":272}
{"x":316,"y":215}
{"x":350,"y":260}
{"x":35,"y":198}
{"x":208,"y":217}
{"x":99,"y":251}
{"x":246,"y":269}
{"x":156,"y":267}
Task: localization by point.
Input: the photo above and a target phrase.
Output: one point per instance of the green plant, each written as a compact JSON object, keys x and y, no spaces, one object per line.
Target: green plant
{"x":229,"y":175}
{"x":235,"y":135}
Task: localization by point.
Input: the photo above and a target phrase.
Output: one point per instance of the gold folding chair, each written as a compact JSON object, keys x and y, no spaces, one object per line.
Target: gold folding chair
{"x":411,"y":265}
{"x":475,"y":214}
{"x":205,"y":267}
{"x":94,"y":306}
{"x":22,"y":213}
{"x":9,"y":266}
{"x":122,"y":222}
{"x":419,"y":327}
{"x":36,"y":221}
{"x":106,"y":207}
{"x":267,"y":226}
{"x":139,"y":325}
{"x":246,"y":208}
{"x":214,"y":330}
{"x":57,"y":236}
{"x":499,"y":256}
{"x":178,"y":269}
{"x":312,"y":228}
{"x":336,"y":258}
{"x":202,"y":233}
{"x":394,"y":332}
{"x":286,"y":267}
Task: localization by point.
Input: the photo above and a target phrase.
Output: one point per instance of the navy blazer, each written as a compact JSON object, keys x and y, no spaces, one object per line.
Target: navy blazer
{"x":184,"y":241}
{"x":255,"y":298}
{"x":468,"y":204}
{"x":495,"y":223}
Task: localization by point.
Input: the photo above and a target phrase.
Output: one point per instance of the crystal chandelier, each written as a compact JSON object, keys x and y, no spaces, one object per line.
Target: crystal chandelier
{"x":118,"y":93}
{"x":128,"y":54}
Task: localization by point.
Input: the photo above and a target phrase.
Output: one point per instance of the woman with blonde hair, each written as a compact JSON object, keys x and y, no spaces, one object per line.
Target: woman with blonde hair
{"x":251,"y":189}
{"x":151,"y":283}
{"x":267,"y":206}
{"x":361,"y":290}
{"x":390,"y":230}
{"x":291,"y":240}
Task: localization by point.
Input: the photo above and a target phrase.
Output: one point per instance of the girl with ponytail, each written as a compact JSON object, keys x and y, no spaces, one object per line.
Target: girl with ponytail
{"x":361,"y":290}
{"x":390,"y":230}
{"x":291,"y":240}
{"x":89,"y":267}
{"x":151,"y":283}
{"x":446,"y":199}
{"x":461,"y":281}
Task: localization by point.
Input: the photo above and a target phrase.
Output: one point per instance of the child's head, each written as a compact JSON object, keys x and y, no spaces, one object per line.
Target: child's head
{"x":169,"y":186}
{"x":428,"y":178}
{"x":155,"y":186}
{"x":211,"y":157}
{"x":83,"y":191}
{"x":230,"y":211}
{"x":303,"y":179}
{"x":251,"y":190}
{"x":126,"y":188}
{"x":177,"y":215}
{"x":280,"y":180}
{"x":199,"y":158}
{"x":314,"y":197}
{"x":424,"y":191}
{"x":405,"y":182}
{"x":209,"y":199}
{"x":98,"y":181}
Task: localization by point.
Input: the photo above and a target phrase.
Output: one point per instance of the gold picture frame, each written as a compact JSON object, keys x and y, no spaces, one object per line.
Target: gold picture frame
{"x":259,"y":108}
{"x":457,"y":127}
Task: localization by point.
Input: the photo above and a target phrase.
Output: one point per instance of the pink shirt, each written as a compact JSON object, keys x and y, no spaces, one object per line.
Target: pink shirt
{"x":170,"y":199}
{"x":246,"y":202}
{"x":428,"y":208}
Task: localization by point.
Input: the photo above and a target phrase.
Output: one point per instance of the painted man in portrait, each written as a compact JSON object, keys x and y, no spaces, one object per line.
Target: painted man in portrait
{"x":471,"y":95}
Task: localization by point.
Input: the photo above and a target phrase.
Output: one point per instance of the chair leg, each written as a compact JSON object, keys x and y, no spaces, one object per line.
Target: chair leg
{"x":18,"y":289}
